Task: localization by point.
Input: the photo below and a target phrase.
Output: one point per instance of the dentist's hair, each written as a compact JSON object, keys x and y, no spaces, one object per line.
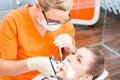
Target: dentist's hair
{"x":65,"y":5}
{"x":97,"y":66}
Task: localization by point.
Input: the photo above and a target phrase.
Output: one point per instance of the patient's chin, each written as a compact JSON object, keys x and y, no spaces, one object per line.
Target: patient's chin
{"x":66,"y":77}
{"x":70,"y":74}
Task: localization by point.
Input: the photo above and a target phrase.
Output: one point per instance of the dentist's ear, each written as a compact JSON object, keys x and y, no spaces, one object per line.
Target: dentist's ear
{"x":86,"y":77}
{"x":37,"y":4}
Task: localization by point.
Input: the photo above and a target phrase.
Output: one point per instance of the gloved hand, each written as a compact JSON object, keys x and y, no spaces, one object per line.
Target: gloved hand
{"x":64,"y":40}
{"x":44,"y":65}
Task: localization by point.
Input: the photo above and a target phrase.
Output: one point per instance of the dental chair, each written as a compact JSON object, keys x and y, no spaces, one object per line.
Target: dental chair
{"x":103,"y":75}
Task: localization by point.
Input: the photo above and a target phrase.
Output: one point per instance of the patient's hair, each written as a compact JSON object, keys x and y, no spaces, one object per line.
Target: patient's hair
{"x":97,"y":66}
{"x":65,"y":5}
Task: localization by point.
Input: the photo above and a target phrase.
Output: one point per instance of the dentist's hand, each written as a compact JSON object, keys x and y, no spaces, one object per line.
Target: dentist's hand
{"x":43,"y":65}
{"x":64,"y":40}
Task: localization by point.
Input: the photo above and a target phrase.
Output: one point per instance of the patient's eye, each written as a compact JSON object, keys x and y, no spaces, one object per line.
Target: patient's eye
{"x":73,"y":53}
{"x":79,"y":60}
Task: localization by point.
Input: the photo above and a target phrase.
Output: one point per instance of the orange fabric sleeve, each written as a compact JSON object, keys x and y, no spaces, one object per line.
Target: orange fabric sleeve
{"x":8,"y":41}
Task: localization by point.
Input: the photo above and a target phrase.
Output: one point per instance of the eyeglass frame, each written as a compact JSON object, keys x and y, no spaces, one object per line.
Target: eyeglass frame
{"x":55,"y":23}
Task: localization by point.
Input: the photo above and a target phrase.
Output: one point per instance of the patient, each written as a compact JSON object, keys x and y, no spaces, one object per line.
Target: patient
{"x":83,"y":64}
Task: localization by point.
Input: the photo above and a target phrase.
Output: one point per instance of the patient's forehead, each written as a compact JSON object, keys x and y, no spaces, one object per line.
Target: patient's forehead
{"x":85,"y":53}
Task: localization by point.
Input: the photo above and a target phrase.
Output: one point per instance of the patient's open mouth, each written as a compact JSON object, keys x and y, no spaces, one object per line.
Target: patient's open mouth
{"x":65,"y":65}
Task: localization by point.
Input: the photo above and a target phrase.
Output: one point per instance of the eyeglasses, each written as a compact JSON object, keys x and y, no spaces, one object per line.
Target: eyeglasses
{"x":54,"y":22}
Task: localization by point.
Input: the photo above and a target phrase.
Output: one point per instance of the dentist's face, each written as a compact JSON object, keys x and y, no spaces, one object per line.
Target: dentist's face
{"x":56,"y":16}
{"x":79,"y":62}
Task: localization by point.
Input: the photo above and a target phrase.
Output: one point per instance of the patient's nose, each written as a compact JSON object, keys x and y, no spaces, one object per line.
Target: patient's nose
{"x":70,"y":58}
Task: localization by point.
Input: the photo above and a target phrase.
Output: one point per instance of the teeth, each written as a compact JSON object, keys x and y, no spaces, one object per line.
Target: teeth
{"x":62,"y":69}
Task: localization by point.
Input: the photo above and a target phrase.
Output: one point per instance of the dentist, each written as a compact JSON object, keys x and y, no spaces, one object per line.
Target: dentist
{"x":34,"y":31}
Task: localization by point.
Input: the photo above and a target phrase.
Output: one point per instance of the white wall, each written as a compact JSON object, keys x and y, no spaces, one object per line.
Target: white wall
{"x":8,"y":5}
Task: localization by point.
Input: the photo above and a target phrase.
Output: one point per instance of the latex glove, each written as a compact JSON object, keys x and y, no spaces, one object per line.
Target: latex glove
{"x":43,"y":65}
{"x":64,"y":40}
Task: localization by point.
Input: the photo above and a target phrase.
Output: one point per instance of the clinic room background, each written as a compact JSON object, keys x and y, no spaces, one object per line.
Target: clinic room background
{"x":95,"y":25}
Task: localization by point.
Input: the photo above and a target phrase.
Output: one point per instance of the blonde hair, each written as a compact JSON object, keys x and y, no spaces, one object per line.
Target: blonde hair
{"x":97,"y":66}
{"x":65,"y":5}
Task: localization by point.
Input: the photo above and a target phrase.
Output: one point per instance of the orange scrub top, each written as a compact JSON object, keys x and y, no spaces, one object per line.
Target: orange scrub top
{"x":19,"y":39}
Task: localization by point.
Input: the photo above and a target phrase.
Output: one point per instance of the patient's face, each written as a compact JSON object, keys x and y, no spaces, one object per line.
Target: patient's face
{"x":78,"y":62}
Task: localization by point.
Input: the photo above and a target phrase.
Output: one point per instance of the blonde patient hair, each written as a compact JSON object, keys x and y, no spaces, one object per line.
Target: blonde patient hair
{"x":97,"y":66}
{"x":65,"y":5}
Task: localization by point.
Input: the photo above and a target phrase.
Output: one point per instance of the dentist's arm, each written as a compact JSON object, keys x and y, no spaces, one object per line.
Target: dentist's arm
{"x":9,"y":67}
{"x":41,"y":64}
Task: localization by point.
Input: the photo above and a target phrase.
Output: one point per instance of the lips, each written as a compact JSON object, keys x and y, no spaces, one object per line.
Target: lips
{"x":65,"y":65}
{"x":70,"y":74}
{"x":62,"y":69}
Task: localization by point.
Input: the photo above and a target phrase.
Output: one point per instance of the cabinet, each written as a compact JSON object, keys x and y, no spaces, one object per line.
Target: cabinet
{"x":85,"y":12}
{"x":8,"y":5}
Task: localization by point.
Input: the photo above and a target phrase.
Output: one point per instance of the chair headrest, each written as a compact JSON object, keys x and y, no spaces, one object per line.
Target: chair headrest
{"x":103,"y":75}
